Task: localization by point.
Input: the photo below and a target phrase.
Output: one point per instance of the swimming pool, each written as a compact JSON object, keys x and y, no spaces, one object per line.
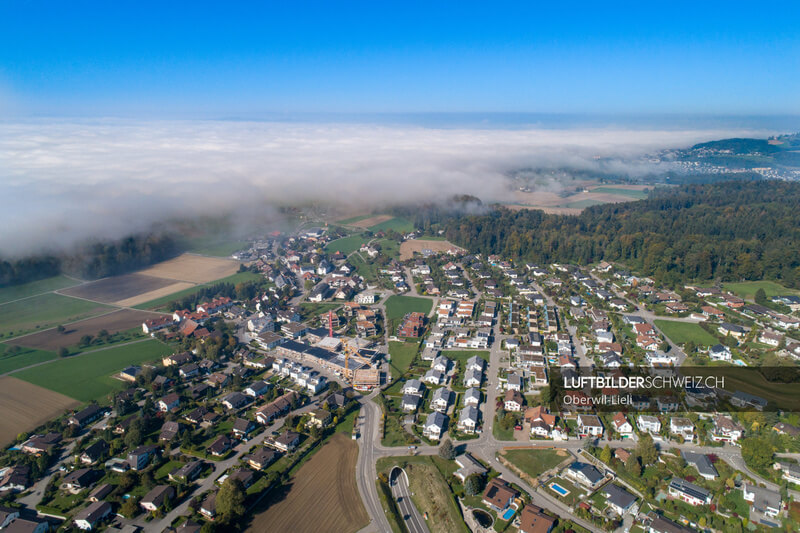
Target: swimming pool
{"x":509,"y":513}
{"x":555,"y":487}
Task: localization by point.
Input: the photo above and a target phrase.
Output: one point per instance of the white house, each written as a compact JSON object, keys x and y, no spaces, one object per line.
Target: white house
{"x":433,"y":377}
{"x":682,"y":427}
{"x":413,"y":386}
{"x":719,"y":352}
{"x":472,"y":397}
{"x":622,"y":426}
{"x":468,"y":419}
{"x":689,"y":492}
{"x":762,"y":500}
{"x":589,"y":426}
{"x":649,"y":424}
{"x":442,"y":399}
{"x":435,"y":425}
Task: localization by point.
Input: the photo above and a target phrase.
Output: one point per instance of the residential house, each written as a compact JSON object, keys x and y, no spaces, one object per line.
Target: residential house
{"x":649,"y":424}
{"x":688,"y":492}
{"x":435,"y":425}
{"x":762,"y":500}
{"x":442,"y":398}
{"x":726,"y":430}
{"x":468,"y":419}
{"x":91,"y":517}
{"x":585,"y":474}
{"x":287,"y":441}
{"x":413,"y":386}
{"x":719,"y":352}
{"x":498,"y":495}
{"x":156,"y":498}
{"x":513,"y":401}
{"x":220,"y":446}
{"x":702,"y":463}
{"x":472,"y":397}
{"x":261,"y":458}
{"x":618,"y":498}
{"x":622,"y":426}
{"x":94,"y":452}
{"x":589,"y":426}
{"x":140,"y":457}
{"x":533,"y":520}
{"x":682,"y":427}
{"x":410,"y":402}
{"x":242,"y":427}
{"x":169,"y":402}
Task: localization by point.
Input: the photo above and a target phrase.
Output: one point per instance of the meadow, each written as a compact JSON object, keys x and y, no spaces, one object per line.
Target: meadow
{"x":682,"y":332}
{"x":15,"y":292}
{"x":398,"y":306}
{"x":88,"y":376}
{"x":44,"y":311}
{"x":748,"y":289}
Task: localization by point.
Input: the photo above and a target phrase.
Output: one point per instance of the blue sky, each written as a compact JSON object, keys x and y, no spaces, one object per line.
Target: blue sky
{"x":170,"y":59}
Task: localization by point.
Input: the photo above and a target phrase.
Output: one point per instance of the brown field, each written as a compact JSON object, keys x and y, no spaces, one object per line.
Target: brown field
{"x":26,"y":406}
{"x":52,"y":340}
{"x":154,"y":295}
{"x":110,"y":290}
{"x":322,"y":496}
{"x":193,"y":269}
{"x":408,"y":248}
{"x":552,"y":202}
{"x":371,"y":221}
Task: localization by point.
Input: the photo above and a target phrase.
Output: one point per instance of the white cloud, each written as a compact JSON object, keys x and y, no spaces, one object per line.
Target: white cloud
{"x":64,"y":181}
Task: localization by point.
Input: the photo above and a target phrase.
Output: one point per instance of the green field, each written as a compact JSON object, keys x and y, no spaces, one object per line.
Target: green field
{"x":581,"y":204}
{"x":89,"y":376}
{"x":748,"y":289}
{"x":398,"y":224}
{"x":160,"y":303}
{"x":218,"y":248}
{"x":402,"y":354}
{"x":24,"y":357}
{"x":682,"y":332}
{"x":630,"y":193}
{"x":45,"y":311}
{"x":353,"y":220}
{"x":399,"y":306}
{"x":346,"y":245}
{"x":368,"y":271}
{"x":463,"y":355}
{"x":15,"y":292}
{"x":535,"y":462}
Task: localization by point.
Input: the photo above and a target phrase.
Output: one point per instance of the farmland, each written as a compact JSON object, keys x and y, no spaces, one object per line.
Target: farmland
{"x":748,"y":289}
{"x":52,"y":340}
{"x":322,"y":496}
{"x":397,"y":224}
{"x":682,"y":332}
{"x":160,"y":302}
{"x":26,"y":406}
{"x":193,"y":268}
{"x":636,"y":194}
{"x":14,"y":359}
{"x":408,"y":248}
{"x":89,"y":376}
{"x":398,"y":306}
{"x":15,"y":292}
{"x":371,"y":221}
{"x":44,"y":311}
{"x":114,"y":289}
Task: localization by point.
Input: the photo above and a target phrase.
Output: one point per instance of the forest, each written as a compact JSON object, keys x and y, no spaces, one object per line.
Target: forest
{"x":92,"y":261}
{"x":735,"y":230}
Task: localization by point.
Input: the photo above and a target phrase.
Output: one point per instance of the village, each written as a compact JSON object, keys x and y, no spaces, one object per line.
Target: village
{"x":431,"y":360}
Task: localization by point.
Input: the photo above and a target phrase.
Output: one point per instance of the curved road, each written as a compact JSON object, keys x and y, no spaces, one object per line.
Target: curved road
{"x":402,"y":495}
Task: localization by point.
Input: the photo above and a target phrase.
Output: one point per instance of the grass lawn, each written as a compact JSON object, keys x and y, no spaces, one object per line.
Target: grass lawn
{"x":399,"y":224}
{"x":164,"y":470}
{"x":636,"y":194}
{"x":346,"y":245}
{"x":368,"y":270}
{"x":682,"y":332}
{"x":463,"y":355}
{"x":402,"y":354}
{"x":748,"y":289}
{"x":88,"y":377}
{"x":15,"y":292}
{"x":398,"y":306}
{"x":161,"y":303}
{"x":45,"y":311}
{"x":24,"y":357}
{"x":534,"y":462}
{"x":311,"y":309}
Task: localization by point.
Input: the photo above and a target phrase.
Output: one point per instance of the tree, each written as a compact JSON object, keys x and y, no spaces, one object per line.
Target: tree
{"x":633,"y":467}
{"x":446,"y":450}
{"x":473,"y":485}
{"x":646,"y":450}
{"x":63,"y":352}
{"x":129,"y":508}
{"x":605,"y":455}
{"x":230,"y":501}
{"x":761,"y":296}
{"x":757,"y":453}
{"x":61,"y":329}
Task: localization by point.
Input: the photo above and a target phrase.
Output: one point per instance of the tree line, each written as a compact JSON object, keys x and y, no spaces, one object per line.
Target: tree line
{"x":92,"y":261}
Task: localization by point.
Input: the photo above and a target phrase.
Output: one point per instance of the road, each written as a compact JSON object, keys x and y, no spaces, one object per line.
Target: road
{"x":402,"y":494}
